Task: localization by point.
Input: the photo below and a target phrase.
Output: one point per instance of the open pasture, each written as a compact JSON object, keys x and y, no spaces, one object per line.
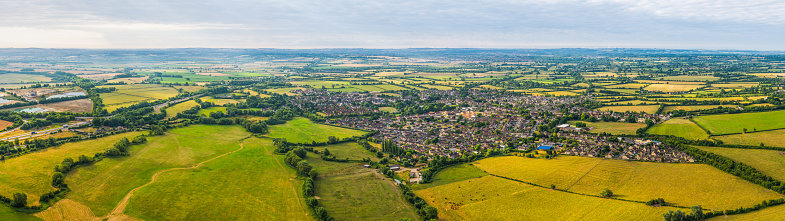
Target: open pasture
{"x":13,"y":78}
{"x":692,"y":108}
{"x":612,"y":127}
{"x":209,"y":110}
{"x":251,"y":183}
{"x":690,"y":78}
{"x":769,"y":162}
{"x":680,"y":128}
{"x":736,"y":85}
{"x":453,"y":174}
{"x":736,"y":123}
{"x":360,"y":194}
{"x":772,"y":138}
{"x":103,"y":185}
{"x":191,"y":88}
{"x":631,"y":180}
{"x":493,"y":198}
{"x":639,"y":108}
{"x":302,"y":130}
{"x":32,"y":173}
{"x":134,"y":80}
{"x":350,"y":150}
{"x":180,"y":107}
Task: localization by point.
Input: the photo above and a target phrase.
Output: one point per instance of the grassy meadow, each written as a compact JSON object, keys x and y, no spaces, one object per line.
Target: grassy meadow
{"x":102,"y":185}
{"x":350,"y":192}
{"x":32,"y":173}
{"x":177,"y":108}
{"x":769,"y":162}
{"x":350,"y":150}
{"x":773,"y":138}
{"x":680,"y":128}
{"x":735,"y":123}
{"x":631,"y":180}
{"x":302,"y":130}
{"x":642,"y":108}
{"x":250,"y":184}
{"x":453,"y":174}
{"x":612,"y":127}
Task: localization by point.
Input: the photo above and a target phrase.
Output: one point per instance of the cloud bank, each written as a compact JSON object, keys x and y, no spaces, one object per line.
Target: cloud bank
{"x":693,"y":24}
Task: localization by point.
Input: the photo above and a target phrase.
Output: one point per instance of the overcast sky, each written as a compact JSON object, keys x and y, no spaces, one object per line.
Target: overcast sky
{"x":682,"y":24}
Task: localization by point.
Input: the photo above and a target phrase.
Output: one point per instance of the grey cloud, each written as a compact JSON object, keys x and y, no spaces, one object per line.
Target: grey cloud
{"x":407,"y":23}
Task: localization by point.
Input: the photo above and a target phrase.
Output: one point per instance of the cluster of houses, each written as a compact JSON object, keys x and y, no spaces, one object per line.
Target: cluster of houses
{"x":590,"y":145}
{"x":332,"y":103}
{"x":487,"y":119}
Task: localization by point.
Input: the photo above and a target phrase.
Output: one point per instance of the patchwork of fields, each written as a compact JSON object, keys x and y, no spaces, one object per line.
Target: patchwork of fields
{"x":127,"y":95}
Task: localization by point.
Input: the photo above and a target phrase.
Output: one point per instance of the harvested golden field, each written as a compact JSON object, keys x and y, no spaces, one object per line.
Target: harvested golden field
{"x":494,"y":198}
{"x":692,"y":108}
{"x":772,"y":138}
{"x":672,"y":87}
{"x":769,"y":162}
{"x":680,"y":184}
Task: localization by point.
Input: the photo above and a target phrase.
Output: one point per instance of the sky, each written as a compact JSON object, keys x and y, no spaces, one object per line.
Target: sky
{"x":677,"y":24}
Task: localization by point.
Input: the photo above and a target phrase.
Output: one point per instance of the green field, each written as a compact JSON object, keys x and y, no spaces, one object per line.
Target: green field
{"x":692,"y":108}
{"x":773,"y":138}
{"x":493,"y":198}
{"x":451,"y":175}
{"x":250,"y":184}
{"x":209,"y":110}
{"x":632,"y":180}
{"x":32,"y":173}
{"x":350,"y":192}
{"x":177,"y":108}
{"x":10,"y":78}
{"x":680,"y":128}
{"x":769,"y":162}
{"x":103,"y":185}
{"x":388,"y":109}
{"x":350,"y":150}
{"x":612,"y":127}
{"x":6,"y":213}
{"x":642,"y":108}
{"x":302,"y":130}
{"x":690,"y":78}
{"x":127,"y":95}
{"x":735,"y":123}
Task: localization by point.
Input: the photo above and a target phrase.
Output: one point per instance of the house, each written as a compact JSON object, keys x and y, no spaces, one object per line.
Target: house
{"x":367,"y":166}
{"x":395,"y":167}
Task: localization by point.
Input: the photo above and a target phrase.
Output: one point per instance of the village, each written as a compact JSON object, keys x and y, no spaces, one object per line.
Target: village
{"x":485,"y":119}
